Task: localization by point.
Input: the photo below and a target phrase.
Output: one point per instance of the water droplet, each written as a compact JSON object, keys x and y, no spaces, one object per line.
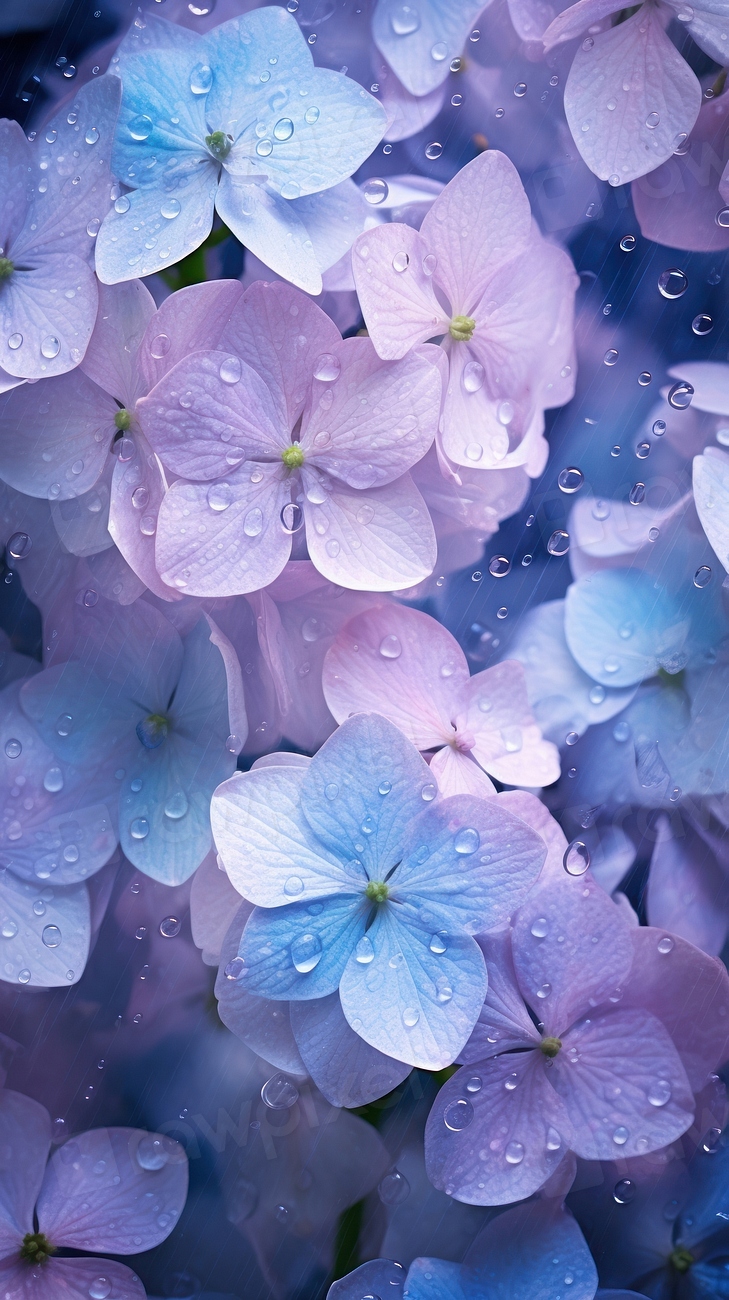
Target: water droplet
{"x":430,"y":262}
{"x":384,"y":787}
{"x":311,"y":116}
{"x":51,"y":936}
{"x":437,"y":944}
{"x":624,"y":1191}
{"x":570,"y":479}
{"x":576,"y":858}
{"x":8,"y":929}
{"x":404,"y":20}
{"x":13,"y":748}
{"x":672,"y":283}
{"x":722,"y":218}
{"x":160,"y":346}
{"x":279,"y":1092}
{"x":235,"y":969}
{"x":514,"y":1153}
{"x":284,"y":129}
{"x":473,"y":379}
{"x":636,"y":496}
{"x":665,"y":945}
{"x":458,"y":1115}
{"x":327,"y":368}
{"x":511,"y":1082}
{"x":375,"y":190}
{"x":628,"y":243}
{"x":140,"y":127}
{"x":659,"y":1093}
{"x":169,"y":927}
{"x":643,"y":450}
{"x":544,"y":990}
{"x":100,"y":1288}
{"x":680,"y":395}
{"x":711,"y":1142}
{"x":428,"y":792}
{"x":400,"y":262}
{"x":702,"y":324}
{"x":702,"y":576}
{"x":393,"y":1190}
{"x":15,"y":341}
{"x":53,"y":780}
{"x":540,"y":928}
{"x":139,"y":829}
{"x":152,"y":1153}
{"x":410,"y":1017}
{"x":306,"y":953}
{"x":520,"y":89}
{"x":652,"y":121}
{"x":253,"y":522}
{"x":467,"y":841}
{"x":433,"y":150}
{"x":201,"y":79}
{"x":611,"y":357}
{"x":331,"y":790}
{"x":50,"y":347}
{"x":390,"y":647}
{"x":559,"y":542}
{"x":364,"y":951}
{"x":621,"y":1135}
{"x":499,"y":566}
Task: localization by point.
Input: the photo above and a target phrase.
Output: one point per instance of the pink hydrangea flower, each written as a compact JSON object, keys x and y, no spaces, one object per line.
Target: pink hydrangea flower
{"x":111,"y":1189}
{"x":286,"y":425}
{"x":594,"y":1037}
{"x":479,"y":275}
{"x":407,"y":666}
{"x":631,"y":99}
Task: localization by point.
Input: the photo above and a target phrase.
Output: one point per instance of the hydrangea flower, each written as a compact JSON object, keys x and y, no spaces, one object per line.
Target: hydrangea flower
{"x":238,"y":120}
{"x":55,"y":194}
{"x":156,"y":719}
{"x":673,"y":1239}
{"x":286,"y":426}
{"x":529,"y":1252}
{"x":76,"y":439}
{"x":688,"y":885}
{"x":594,"y":1036}
{"x":631,"y":99}
{"x":111,"y":1189}
{"x":365,"y":882}
{"x":679,"y":203}
{"x":507,"y":328}
{"x":407,"y":666}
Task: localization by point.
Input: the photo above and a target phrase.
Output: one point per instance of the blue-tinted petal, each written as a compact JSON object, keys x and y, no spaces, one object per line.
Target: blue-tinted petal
{"x":345,"y":1068}
{"x":419,"y":41}
{"x":363,"y":789}
{"x":533,"y":1251}
{"x":47,"y":950}
{"x":157,"y":228}
{"x":620,"y":629}
{"x":374,"y":1277}
{"x":416,"y":992}
{"x":261,"y":1023}
{"x":434,"y":1279}
{"x":300,"y":951}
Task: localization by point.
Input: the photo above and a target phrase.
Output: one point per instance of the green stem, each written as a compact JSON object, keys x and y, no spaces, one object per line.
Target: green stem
{"x":191,"y":270}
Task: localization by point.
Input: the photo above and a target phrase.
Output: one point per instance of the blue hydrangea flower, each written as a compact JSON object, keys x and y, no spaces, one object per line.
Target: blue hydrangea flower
{"x":155,"y":718}
{"x":532,"y":1252}
{"x":366,"y":882}
{"x":239,"y":120}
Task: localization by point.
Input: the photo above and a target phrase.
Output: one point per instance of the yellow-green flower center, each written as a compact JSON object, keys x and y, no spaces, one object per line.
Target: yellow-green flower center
{"x":461,"y":328}
{"x":152,"y":730}
{"x":293,"y":456}
{"x":123,"y":419}
{"x":681,"y":1259}
{"x":551,"y":1046}
{"x":6,"y":268}
{"x":36,"y":1248}
{"x":219,"y":144}
{"x":377,"y":890}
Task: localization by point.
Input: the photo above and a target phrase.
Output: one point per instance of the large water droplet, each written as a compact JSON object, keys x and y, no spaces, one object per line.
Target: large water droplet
{"x":201,"y":79}
{"x":393,"y":1190}
{"x":576,"y":860}
{"x":51,"y":936}
{"x":680,"y":395}
{"x":279,"y":1092}
{"x":514,"y":1153}
{"x":458,"y":1115}
{"x":140,"y":127}
{"x":152,"y":1153}
{"x":559,"y":542}
{"x":50,"y":347}
{"x":375,"y":190}
{"x":253,"y":522}
{"x":176,"y":805}
{"x":404,"y":20}
{"x":230,"y":370}
{"x":364,"y":951}
{"x":390,"y":647}
{"x":570,"y":479}
{"x":327,"y":368}
{"x":306,"y":953}
{"x":467,"y":841}
{"x":672,"y":283}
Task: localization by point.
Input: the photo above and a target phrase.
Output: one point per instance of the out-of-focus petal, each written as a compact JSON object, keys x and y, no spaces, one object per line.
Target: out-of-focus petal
{"x":344,"y":1067}
{"x":25,"y":1140}
{"x":94,"y":1191}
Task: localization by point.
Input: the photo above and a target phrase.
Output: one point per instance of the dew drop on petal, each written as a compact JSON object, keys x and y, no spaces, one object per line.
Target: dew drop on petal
{"x":390,"y":647}
{"x":458,"y":1115}
{"x":665,"y":945}
{"x":375,"y":190}
{"x":513,"y":1153}
{"x":576,"y":860}
{"x":306,"y":953}
{"x":231,"y":370}
{"x":327,"y":368}
{"x":467,"y":841}
{"x":620,"y":1135}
